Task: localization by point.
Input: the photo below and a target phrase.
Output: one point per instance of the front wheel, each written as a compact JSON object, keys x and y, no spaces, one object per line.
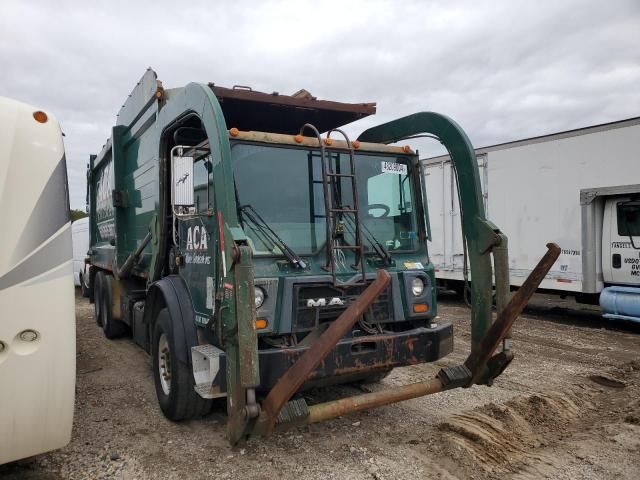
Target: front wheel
{"x":173,"y":379}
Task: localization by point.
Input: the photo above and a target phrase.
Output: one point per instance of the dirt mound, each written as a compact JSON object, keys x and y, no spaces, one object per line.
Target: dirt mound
{"x":500,"y":438}
{"x":523,"y":434}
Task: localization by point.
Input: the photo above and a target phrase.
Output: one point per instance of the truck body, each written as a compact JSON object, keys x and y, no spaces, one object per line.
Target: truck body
{"x":578,"y":188}
{"x":37,"y":309}
{"x":252,"y":256}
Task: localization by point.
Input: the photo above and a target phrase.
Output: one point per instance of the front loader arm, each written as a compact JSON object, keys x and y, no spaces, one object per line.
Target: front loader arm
{"x":480,"y":235}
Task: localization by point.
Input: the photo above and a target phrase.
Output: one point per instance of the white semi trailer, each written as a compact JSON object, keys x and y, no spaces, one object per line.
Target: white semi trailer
{"x":580,"y":189}
{"x":37,"y":313}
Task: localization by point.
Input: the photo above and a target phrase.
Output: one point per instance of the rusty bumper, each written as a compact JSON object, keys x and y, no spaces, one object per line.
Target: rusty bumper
{"x":362,"y":355}
{"x":356,"y":357}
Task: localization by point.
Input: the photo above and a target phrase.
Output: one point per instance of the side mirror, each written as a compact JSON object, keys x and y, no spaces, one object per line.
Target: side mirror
{"x":182,"y":181}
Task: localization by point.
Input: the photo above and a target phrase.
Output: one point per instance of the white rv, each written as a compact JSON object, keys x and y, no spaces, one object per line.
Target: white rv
{"x":37,"y":316}
{"x":579,"y":189}
{"x":80,"y":239}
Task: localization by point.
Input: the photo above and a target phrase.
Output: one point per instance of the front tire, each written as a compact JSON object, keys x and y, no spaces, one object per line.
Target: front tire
{"x":173,"y":379}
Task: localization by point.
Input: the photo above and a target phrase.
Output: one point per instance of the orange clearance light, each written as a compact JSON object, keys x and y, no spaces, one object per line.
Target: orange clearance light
{"x":261,"y":323}
{"x":355,"y":144}
{"x":328,"y":141}
{"x":40,"y":116}
{"x":420,"y":308}
{"x":298,"y":138}
{"x":234,"y":132}
{"x":406,"y":149}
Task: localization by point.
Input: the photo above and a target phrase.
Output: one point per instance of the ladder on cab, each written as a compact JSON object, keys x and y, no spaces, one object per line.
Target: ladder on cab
{"x":337,"y":212}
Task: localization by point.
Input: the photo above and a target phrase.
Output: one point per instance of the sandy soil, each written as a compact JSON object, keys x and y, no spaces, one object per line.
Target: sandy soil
{"x":568,"y":407}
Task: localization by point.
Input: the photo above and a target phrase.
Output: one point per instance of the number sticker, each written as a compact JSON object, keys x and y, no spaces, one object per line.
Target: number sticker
{"x":414,"y":265}
{"x":392,"y":167}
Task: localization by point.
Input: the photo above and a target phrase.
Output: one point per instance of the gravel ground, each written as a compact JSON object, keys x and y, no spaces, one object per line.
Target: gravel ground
{"x":568,"y":407}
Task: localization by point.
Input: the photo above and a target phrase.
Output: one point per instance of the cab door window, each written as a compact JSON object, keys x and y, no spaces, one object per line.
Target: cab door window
{"x":628,"y":214}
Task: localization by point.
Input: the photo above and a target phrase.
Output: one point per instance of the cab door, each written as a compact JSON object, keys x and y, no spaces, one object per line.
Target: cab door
{"x":196,"y":238}
{"x":621,"y":241}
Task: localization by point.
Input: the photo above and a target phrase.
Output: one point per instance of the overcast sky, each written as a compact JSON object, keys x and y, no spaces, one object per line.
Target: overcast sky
{"x":504,"y":70}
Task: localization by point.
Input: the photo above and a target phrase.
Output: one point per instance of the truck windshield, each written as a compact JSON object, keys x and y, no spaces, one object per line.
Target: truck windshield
{"x":285,"y":186}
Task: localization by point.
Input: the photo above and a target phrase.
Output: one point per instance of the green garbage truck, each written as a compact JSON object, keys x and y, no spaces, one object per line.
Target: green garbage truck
{"x":253,"y":249}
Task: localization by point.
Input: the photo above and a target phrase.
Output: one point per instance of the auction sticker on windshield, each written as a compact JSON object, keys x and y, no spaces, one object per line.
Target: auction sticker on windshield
{"x":392,"y":167}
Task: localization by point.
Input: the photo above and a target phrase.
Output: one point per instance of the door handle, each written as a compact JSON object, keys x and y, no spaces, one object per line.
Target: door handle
{"x":616,"y":260}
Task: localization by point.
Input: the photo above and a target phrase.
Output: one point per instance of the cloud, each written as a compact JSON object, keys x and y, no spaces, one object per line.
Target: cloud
{"x":504,"y":70}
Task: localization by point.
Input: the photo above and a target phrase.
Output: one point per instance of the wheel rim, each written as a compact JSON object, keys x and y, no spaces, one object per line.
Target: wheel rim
{"x":164,"y":364}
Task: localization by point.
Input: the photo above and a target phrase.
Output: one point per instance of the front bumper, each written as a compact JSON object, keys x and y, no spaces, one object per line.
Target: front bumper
{"x":356,"y":357}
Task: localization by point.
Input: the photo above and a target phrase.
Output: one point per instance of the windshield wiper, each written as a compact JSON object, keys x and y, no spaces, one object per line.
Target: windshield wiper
{"x":379,"y":248}
{"x":248,"y":212}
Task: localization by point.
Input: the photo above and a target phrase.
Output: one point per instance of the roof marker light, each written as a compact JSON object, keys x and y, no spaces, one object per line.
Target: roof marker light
{"x":40,"y":116}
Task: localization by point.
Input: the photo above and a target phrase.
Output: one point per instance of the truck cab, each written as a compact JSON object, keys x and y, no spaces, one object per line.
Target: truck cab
{"x":309,"y":267}
{"x":621,"y":241}
{"x":620,"y":298}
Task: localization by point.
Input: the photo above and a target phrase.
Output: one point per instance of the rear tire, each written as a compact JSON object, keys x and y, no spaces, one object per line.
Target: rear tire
{"x":97,"y":296}
{"x":173,"y":379}
{"x":112,"y":328}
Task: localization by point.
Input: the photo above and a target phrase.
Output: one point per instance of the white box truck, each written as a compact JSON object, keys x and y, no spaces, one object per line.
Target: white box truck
{"x":80,"y":239}
{"x":579,"y":189}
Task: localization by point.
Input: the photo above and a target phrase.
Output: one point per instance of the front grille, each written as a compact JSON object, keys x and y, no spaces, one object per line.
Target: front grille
{"x":314,"y":304}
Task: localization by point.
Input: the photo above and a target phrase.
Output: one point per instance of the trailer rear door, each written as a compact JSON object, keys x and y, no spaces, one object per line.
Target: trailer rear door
{"x":447,"y":250}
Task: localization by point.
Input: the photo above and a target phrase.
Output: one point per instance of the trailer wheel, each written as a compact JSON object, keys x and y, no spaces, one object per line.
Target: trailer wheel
{"x":97,"y":296}
{"x":173,"y":379}
{"x":112,"y":328}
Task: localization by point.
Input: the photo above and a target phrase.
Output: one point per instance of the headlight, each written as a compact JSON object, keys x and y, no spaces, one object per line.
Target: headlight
{"x":417,"y":286}
{"x":259,"y":295}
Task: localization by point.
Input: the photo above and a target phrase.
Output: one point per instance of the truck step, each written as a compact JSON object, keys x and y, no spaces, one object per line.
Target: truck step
{"x":293,"y":410}
{"x":205,"y":360}
{"x":206,"y":390}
